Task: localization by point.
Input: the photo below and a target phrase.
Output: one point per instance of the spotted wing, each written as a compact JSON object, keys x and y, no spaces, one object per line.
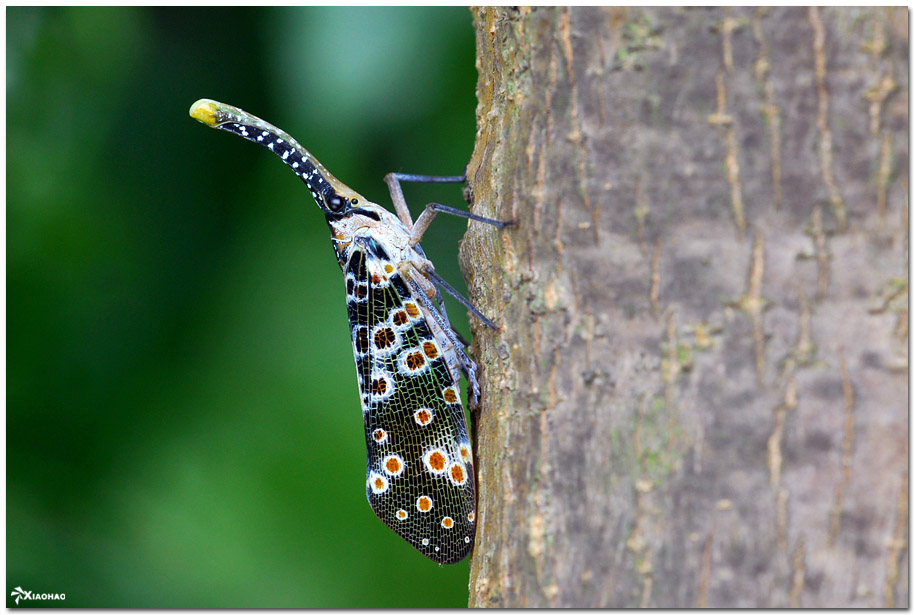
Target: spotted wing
{"x":419,"y":478}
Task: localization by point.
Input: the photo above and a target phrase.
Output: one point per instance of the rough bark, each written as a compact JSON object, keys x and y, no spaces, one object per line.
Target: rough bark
{"x":698,"y":396}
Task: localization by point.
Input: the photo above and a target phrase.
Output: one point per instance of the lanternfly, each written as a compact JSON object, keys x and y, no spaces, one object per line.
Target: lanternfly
{"x":419,"y":476}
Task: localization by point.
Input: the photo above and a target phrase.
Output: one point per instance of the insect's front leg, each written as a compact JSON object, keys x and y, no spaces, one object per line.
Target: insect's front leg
{"x":418,"y":228}
{"x":425,"y":219}
{"x":400,"y":203}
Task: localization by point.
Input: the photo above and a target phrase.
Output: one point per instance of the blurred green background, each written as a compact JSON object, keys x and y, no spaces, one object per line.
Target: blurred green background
{"x":183,"y":425}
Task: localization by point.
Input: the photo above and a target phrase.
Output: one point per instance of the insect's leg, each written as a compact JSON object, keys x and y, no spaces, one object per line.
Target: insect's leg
{"x":466,"y":365}
{"x":430,"y":273}
{"x":400,"y":203}
{"x":425,"y":219}
{"x":441,"y":307}
{"x":418,"y":276}
{"x":456,"y":333}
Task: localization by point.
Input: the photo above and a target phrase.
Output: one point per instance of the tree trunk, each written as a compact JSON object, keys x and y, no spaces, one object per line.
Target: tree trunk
{"x":698,"y":395}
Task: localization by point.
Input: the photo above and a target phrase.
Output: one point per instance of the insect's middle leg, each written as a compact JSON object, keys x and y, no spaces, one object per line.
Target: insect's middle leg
{"x":437,"y":279}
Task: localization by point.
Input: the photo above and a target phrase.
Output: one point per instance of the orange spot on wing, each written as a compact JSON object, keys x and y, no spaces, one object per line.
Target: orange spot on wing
{"x":384,"y":338}
{"x":400,"y":318}
{"x":411,"y":309}
{"x":430,"y":349}
{"x":457,"y":474}
{"x":415,"y":361}
{"x":437,"y":461}
{"x":379,"y":386}
{"x":450,"y":396}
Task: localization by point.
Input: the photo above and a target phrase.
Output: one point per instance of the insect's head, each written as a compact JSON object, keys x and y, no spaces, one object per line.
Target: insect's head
{"x":334,"y":197}
{"x":338,"y":203}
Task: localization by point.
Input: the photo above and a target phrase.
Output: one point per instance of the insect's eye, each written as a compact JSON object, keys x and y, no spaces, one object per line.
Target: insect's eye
{"x":336,"y":202}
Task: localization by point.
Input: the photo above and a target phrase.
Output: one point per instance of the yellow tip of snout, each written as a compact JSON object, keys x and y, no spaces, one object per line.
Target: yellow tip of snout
{"x":205,"y":111}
